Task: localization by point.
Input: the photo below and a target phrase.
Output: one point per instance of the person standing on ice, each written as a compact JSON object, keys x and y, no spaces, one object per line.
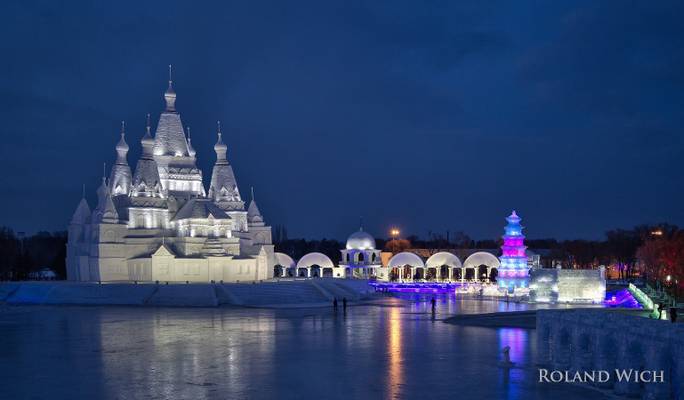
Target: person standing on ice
{"x":344,"y":304}
{"x":335,"y":304}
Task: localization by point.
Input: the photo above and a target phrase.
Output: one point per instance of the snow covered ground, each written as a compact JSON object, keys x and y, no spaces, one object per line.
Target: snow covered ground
{"x":390,"y":350}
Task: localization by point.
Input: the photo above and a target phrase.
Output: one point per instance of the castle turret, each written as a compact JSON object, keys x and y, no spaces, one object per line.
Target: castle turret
{"x":146,"y":182}
{"x":77,"y":240}
{"x":105,"y":212}
{"x":121,"y":178}
{"x":254,"y":217}
{"x":174,"y":155}
{"x":223,"y":188}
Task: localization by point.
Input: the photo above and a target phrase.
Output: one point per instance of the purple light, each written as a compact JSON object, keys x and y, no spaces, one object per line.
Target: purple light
{"x":621,"y":299}
{"x":513,"y":257}
{"x":422,"y":287}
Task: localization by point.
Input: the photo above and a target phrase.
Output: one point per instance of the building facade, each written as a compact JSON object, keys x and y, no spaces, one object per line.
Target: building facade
{"x":157,"y":222}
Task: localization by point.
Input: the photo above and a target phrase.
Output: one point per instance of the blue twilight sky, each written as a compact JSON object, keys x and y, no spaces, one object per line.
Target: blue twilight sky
{"x":431,"y":116}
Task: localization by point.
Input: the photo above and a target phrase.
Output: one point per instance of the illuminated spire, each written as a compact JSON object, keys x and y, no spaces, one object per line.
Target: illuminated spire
{"x":170,"y":95}
{"x":220,"y":148}
{"x":191,"y":150}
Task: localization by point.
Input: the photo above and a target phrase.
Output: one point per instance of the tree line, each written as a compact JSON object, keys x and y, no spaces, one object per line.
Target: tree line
{"x":20,"y":255}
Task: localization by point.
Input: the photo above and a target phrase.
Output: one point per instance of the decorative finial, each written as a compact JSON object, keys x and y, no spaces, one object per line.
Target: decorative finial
{"x":252,"y":190}
{"x":360,"y":223}
{"x":83,"y":194}
{"x":104,"y":172}
{"x":170,"y":80}
{"x":147,"y":122}
{"x":218,"y":125}
{"x":188,"y":128}
{"x":123,"y":128}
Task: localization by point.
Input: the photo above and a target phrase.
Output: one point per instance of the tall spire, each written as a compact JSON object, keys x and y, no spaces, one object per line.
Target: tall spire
{"x":170,"y":95}
{"x":191,"y":150}
{"x":253,"y":213}
{"x":146,"y":180}
{"x":220,"y":148}
{"x":147,"y":141}
{"x":105,"y":210}
{"x":223,"y":187}
{"x":120,"y":177}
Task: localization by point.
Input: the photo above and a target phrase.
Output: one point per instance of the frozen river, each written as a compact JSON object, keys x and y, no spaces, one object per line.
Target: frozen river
{"x":384,"y":351}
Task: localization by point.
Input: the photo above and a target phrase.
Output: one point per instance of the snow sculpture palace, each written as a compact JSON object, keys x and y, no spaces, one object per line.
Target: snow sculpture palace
{"x":158,"y":223}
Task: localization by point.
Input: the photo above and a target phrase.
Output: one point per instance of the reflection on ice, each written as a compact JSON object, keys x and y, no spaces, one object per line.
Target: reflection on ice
{"x":391,"y":351}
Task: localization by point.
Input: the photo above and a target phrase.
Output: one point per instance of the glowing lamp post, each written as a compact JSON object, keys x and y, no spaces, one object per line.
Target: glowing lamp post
{"x":513,"y":269}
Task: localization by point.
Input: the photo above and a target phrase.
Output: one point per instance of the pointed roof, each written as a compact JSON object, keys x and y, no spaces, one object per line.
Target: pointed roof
{"x":169,"y":139}
{"x":164,"y":250}
{"x":223,"y":187}
{"x":105,"y":210}
{"x":82,"y":212}
{"x":253,"y":213}
{"x":200,"y":209}
{"x":146,"y":177}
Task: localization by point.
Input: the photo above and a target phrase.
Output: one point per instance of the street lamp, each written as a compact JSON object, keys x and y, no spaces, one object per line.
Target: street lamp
{"x":394,"y":232}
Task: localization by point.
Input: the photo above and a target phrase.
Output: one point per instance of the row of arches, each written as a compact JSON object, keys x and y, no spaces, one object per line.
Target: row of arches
{"x":444,"y":266}
{"x":404,"y":266}
{"x":312,"y":265}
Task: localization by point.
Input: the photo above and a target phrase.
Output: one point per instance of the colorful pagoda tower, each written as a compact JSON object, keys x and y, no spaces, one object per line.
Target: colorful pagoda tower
{"x":513,"y":272}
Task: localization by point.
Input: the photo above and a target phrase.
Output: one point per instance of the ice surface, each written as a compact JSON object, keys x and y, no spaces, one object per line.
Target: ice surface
{"x":387,"y":351}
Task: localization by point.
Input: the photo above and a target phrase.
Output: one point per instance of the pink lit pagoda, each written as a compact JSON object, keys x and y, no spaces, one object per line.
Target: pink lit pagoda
{"x":513,"y":272}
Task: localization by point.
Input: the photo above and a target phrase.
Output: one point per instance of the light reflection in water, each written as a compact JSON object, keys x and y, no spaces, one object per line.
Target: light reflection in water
{"x":395,"y":373}
{"x":512,"y":378}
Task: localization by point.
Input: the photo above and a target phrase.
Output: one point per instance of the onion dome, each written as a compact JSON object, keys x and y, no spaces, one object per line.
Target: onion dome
{"x":170,"y":95}
{"x":147,"y":140}
{"x":360,"y":240}
{"x":220,"y":148}
{"x":122,"y":147}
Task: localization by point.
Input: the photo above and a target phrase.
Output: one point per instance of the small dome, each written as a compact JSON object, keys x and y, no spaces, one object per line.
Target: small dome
{"x":360,"y":240}
{"x":122,"y":146}
{"x":170,"y":98}
{"x":220,"y":147}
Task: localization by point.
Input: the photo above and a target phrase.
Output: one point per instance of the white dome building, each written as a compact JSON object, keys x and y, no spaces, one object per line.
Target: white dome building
{"x":360,"y":259}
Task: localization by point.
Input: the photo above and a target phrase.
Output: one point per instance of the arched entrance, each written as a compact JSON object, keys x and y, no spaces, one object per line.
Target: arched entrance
{"x":442,"y":261}
{"x":482,"y":273}
{"x":407,"y":272}
{"x":431,"y":274}
{"x":278,"y":271}
{"x":443,"y":273}
{"x":327,"y":272}
{"x":481,"y":263}
{"x":493,"y":273}
{"x":470,"y":274}
{"x":457,"y":274}
{"x":312,"y":264}
{"x":394,"y":274}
